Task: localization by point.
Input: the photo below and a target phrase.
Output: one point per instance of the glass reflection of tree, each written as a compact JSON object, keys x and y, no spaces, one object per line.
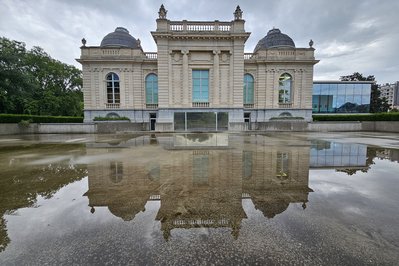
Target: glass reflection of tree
{"x":21,"y":183}
{"x":371,"y":155}
{"x":116,"y":174}
{"x":4,"y":240}
{"x":282,"y":170}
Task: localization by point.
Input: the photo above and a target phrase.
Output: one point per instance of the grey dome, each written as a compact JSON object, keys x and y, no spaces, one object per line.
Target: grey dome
{"x":120,"y":38}
{"x":275,"y":39}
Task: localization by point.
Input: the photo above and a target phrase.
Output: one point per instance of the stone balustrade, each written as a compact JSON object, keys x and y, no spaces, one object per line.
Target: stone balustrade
{"x":151,"y":55}
{"x":112,"y":105}
{"x":185,"y":26}
{"x":201,"y":104}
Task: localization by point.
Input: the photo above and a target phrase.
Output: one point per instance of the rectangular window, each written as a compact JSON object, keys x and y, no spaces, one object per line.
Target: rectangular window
{"x":200,"y":86}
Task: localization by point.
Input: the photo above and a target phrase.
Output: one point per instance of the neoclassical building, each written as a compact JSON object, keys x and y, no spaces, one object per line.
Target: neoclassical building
{"x":199,"y":78}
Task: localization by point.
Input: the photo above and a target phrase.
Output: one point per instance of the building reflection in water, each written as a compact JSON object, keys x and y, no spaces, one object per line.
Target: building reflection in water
{"x":201,"y":185}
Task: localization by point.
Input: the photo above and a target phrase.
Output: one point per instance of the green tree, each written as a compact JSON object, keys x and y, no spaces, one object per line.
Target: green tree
{"x":31,"y":82}
{"x":377,"y":104}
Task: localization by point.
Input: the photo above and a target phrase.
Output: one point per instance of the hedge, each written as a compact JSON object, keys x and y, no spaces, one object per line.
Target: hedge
{"x":101,"y":118}
{"x":15,"y":118}
{"x":287,"y":118}
{"x":358,"y":117}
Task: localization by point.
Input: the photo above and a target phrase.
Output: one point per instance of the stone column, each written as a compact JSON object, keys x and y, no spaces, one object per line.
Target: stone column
{"x":185,"y":88}
{"x":231,"y":80}
{"x":216,"y":83}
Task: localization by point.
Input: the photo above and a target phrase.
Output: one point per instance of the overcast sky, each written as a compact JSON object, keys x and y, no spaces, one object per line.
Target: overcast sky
{"x":349,"y":35}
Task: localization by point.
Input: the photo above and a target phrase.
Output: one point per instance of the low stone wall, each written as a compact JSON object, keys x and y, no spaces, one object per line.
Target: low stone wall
{"x":383,"y":126}
{"x":113,"y":127}
{"x":332,"y":126}
{"x":70,"y":128}
{"x":281,"y":126}
{"x":66,"y":128}
{"x":14,"y":129}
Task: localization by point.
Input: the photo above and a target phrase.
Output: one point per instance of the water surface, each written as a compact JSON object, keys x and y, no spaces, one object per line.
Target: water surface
{"x":176,"y":199}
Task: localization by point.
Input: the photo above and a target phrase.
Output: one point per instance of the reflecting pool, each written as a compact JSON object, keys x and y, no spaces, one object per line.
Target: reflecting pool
{"x":195,"y":199}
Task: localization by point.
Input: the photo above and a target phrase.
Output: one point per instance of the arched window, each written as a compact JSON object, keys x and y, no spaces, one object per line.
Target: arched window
{"x":151,"y":89}
{"x":113,"y":88}
{"x":248,"y":89}
{"x":284,"y":91}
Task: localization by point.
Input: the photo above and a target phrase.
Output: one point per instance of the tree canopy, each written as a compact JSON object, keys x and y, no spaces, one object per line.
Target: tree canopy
{"x":31,"y":82}
{"x":377,"y":104}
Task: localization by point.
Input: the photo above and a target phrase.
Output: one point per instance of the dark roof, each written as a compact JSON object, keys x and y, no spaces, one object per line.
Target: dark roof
{"x":120,"y":38}
{"x":275,"y":39}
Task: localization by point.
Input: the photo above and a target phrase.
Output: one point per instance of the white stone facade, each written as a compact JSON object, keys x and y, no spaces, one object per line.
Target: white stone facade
{"x":184,"y":47}
{"x":391,"y":93}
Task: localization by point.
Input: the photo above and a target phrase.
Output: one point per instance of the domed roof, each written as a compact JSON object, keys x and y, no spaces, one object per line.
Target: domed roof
{"x":120,"y":38}
{"x":275,"y":39}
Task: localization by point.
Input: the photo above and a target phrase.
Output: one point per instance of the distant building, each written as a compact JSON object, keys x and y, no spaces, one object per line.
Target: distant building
{"x":391,"y":93}
{"x":199,"y":78}
{"x":341,"y":96}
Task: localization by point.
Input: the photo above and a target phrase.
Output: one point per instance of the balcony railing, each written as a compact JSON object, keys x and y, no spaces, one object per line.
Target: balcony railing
{"x":151,"y":55}
{"x":201,"y":105}
{"x":151,"y":106}
{"x":248,"y":56}
{"x":285,"y":105}
{"x":199,"y":26}
{"x":248,"y":105}
{"x":112,"y":105}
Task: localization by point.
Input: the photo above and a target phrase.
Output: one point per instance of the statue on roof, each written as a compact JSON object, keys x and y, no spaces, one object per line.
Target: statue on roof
{"x":162,"y":12}
{"x":238,"y":13}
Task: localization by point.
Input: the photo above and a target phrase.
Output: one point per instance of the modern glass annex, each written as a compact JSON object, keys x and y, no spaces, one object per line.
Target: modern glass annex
{"x":341,"y":96}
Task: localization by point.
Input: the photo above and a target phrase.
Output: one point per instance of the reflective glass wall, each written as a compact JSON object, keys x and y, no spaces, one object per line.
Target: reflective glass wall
{"x":341,"y":97}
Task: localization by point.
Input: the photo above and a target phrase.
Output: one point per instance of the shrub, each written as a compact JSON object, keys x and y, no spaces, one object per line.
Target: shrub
{"x":24,"y":123}
{"x":16,"y":118}
{"x":358,"y":117}
{"x":287,"y":118}
{"x":112,"y":118}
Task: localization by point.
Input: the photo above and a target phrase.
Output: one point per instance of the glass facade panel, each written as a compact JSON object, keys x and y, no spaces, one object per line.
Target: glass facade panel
{"x":316,"y":89}
{"x":357,"y":90}
{"x":179,"y":121}
{"x":349,"y":89}
{"x":197,"y":121}
{"x":341,"y":98}
{"x":333,"y":89}
{"x":200,"y":85}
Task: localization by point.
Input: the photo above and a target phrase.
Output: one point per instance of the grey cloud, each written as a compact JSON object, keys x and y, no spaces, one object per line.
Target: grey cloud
{"x":349,"y":35}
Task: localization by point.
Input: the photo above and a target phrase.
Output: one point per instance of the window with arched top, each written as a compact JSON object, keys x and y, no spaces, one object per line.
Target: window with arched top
{"x":285,"y":87}
{"x":248,"y":89}
{"x":151,"y":89}
{"x":113,"y":88}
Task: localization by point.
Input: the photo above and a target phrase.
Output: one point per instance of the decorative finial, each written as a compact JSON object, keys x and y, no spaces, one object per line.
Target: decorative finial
{"x":162,"y":12}
{"x":139,"y":42}
{"x":238,"y":13}
{"x":311,"y":43}
{"x":84,"y":42}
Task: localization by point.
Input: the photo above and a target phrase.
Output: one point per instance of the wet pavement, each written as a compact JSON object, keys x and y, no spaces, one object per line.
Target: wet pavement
{"x":199,"y":199}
